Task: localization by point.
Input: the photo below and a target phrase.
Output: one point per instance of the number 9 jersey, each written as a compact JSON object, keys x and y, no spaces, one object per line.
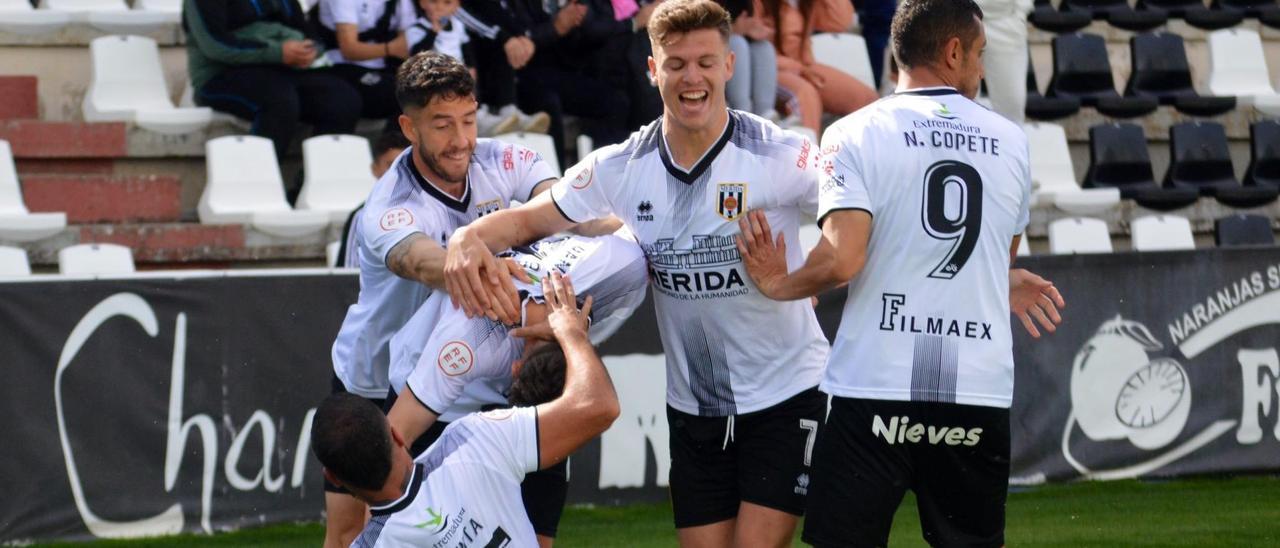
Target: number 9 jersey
{"x":948,"y":185}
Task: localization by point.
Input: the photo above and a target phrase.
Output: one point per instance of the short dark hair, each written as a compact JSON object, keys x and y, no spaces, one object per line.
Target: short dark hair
{"x":352,"y":439}
{"x":429,"y":75}
{"x":541,"y":377}
{"x":391,"y":139}
{"x":683,"y":16}
{"x":921,"y":27}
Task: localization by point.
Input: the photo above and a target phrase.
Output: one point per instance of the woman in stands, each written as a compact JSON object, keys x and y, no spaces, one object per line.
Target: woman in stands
{"x":754,"y":86}
{"x":818,"y":88}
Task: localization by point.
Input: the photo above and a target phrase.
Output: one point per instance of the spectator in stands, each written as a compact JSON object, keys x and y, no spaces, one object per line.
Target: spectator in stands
{"x":646,"y":103}
{"x":439,"y":27}
{"x":818,"y":88}
{"x":251,"y":59}
{"x":874,"y":17}
{"x":754,"y":86}
{"x":1005,"y":58}
{"x":366,"y":42}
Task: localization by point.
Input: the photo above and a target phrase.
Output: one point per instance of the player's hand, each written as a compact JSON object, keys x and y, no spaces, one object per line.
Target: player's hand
{"x":477,"y":282}
{"x":564,"y":320}
{"x":1034,"y":300}
{"x":764,"y":256}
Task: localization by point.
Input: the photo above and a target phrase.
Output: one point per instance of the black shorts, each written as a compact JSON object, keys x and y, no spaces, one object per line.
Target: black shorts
{"x":954,"y":457}
{"x":336,"y":387}
{"x":762,"y":458}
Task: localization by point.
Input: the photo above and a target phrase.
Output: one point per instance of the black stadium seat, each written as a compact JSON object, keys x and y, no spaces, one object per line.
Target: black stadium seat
{"x":1264,"y":160}
{"x":1250,"y":8}
{"x":1044,"y":17}
{"x":1082,"y":71}
{"x":1040,"y":107}
{"x":1200,"y":160}
{"x":1195,"y":13}
{"x":1118,"y":158}
{"x":1243,"y":230}
{"x":1118,"y":13}
{"x":1161,"y":72}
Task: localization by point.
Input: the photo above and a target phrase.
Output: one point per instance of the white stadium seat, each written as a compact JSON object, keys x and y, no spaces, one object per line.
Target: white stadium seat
{"x":128,"y":86}
{"x":1053,"y":177}
{"x":112,"y":16}
{"x":17,"y":224}
{"x":847,"y":52}
{"x":18,"y":17}
{"x":331,"y":253}
{"x":1024,"y":249}
{"x":1078,"y":235}
{"x":171,"y":8}
{"x":537,"y":142}
{"x":1237,"y":65}
{"x":585,"y":146}
{"x":13,"y":262}
{"x":338,"y":174}
{"x":243,"y":185}
{"x":1161,"y":233}
{"x":88,"y":259}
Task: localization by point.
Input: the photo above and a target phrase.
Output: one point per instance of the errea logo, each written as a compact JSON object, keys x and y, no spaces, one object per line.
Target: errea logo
{"x":644,"y":211}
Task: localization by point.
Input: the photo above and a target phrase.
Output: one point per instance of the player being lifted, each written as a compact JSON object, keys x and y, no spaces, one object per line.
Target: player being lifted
{"x":923,"y":200}
{"x":465,"y":489}
{"x":742,"y":370}
{"x":445,"y":179}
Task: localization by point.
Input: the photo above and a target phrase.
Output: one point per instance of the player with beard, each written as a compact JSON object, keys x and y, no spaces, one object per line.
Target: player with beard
{"x":445,"y":179}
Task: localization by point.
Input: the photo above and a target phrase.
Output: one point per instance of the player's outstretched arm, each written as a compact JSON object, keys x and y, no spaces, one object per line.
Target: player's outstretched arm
{"x":836,"y":259}
{"x":1034,"y":300}
{"x":474,"y":278}
{"x":589,"y":404}
{"x":418,"y":258}
{"x":409,"y":417}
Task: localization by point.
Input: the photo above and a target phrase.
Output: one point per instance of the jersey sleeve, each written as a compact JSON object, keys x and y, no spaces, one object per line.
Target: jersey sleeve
{"x":580,"y":195}
{"x":383,"y":226}
{"x":458,"y":352}
{"x":841,"y":185}
{"x":798,"y":173}
{"x":529,"y":169}
{"x":507,"y":439}
{"x":344,"y":12}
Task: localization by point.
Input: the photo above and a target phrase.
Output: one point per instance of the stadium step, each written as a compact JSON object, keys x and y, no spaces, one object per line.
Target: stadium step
{"x":104,"y":199}
{"x":41,"y":139}
{"x":19,"y":99}
{"x":185,"y":245}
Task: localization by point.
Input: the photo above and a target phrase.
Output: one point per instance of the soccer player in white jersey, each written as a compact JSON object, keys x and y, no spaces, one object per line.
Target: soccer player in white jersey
{"x":465,"y":490}
{"x":445,"y":179}
{"x":742,"y":370}
{"x":923,"y":199}
{"x":452,"y":366}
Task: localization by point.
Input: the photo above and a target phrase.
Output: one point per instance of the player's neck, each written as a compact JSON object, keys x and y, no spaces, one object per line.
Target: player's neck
{"x":922,"y":77}
{"x":687,"y":146}
{"x":456,"y":189}
{"x":396,"y":486}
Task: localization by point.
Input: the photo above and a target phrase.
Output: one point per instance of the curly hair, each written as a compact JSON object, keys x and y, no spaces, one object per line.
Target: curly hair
{"x":541,"y":378}
{"x":429,"y":75}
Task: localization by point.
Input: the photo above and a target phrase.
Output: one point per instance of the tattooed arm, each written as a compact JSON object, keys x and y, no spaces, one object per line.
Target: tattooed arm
{"x":418,"y":258}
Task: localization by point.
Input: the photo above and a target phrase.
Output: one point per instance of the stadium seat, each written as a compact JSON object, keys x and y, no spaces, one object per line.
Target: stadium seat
{"x":113,"y":16}
{"x":127,"y":85}
{"x":1264,"y":158}
{"x":1195,"y":13}
{"x":1118,"y":13}
{"x":17,"y":224}
{"x":1118,"y":158}
{"x":537,"y":142}
{"x":244,"y":186}
{"x":171,"y":8}
{"x":1078,"y":235}
{"x":1040,"y":107}
{"x":1024,"y":249}
{"x":1237,"y":65}
{"x":1243,"y":230}
{"x":331,"y":253}
{"x":93,"y":259}
{"x":1081,"y":70}
{"x":585,"y":146}
{"x":18,"y":17}
{"x":1200,"y":160}
{"x":1044,"y":17}
{"x":847,"y":52}
{"x":13,"y":262}
{"x":1161,"y":233}
{"x":1257,"y":9}
{"x":1053,"y":178}
{"x":337,"y":173}
{"x":1161,"y":71}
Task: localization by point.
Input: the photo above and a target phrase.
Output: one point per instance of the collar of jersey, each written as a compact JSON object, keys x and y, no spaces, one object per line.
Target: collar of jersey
{"x":688,"y":177}
{"x":443,"y":197}
{"x":930,"y":92}
{"x":415,"y":481}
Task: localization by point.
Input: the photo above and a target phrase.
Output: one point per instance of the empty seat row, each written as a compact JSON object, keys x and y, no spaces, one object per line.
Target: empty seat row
{"x":128,"y":85}
{"x":1073,"y":15}
{"x":18,"y":16}
{"x":1156,"y":233}
{"x":79,"y":260}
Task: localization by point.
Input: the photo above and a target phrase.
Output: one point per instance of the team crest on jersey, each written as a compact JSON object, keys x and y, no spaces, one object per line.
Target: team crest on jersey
{"x":583,"y":179}
{"x":456,"y":358}
{"x":485,"y":208}
{"x":732,"y":200}
{"x":394,"y":218}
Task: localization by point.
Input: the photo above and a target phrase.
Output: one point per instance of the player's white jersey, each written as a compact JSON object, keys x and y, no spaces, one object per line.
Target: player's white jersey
{"x":401,"y":203}
{"x":465,"y":489}
{"x":455,"y":366}
{"x":729,"y":349}
{"x":948,"y":184}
